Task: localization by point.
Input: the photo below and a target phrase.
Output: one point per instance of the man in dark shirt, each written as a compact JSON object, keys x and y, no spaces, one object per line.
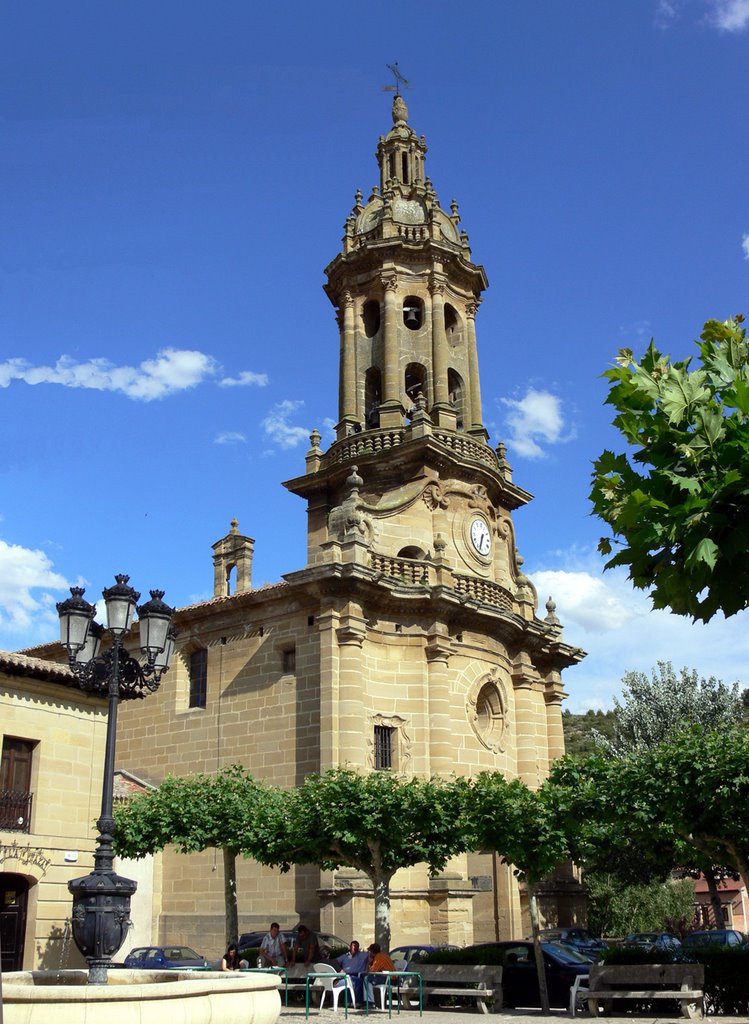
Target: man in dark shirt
{"x":306,"y":946}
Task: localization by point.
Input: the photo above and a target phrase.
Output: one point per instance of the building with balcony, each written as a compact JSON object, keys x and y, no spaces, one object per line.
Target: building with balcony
{"x":53,"y":738}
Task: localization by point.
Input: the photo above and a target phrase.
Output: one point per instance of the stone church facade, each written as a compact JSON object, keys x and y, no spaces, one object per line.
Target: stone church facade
{"x":411,"y":641}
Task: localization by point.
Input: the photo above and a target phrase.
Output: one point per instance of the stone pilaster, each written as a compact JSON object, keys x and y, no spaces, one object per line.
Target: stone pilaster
{"x":438,"y":650}
{"x":351,"y":634}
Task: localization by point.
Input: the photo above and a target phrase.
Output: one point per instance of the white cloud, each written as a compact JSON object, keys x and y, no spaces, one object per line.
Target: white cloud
{"x":745,"y":246}
{"x":24,"y":610}
{"x":230,"y":437}
{"x":730,"y":15}
{"x":615,"y":623}
{"x":246,"y":377}
{"x":666,"y":12}
{"x":278,"y":429}
{"x":534,"y":420}
{"x":170,"y":371}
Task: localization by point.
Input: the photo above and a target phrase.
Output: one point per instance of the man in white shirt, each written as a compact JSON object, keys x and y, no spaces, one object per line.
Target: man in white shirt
{"x":272,"y":948}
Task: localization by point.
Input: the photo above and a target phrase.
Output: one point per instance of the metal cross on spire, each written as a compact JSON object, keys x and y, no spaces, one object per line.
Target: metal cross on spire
{"x":400,"y":81}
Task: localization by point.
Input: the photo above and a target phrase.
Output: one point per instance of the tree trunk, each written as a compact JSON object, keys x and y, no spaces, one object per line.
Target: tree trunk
{"x":712,"y":885}
{"x":230,"y":894}
{"x":543,"y":990}
{"x":381,"y":886}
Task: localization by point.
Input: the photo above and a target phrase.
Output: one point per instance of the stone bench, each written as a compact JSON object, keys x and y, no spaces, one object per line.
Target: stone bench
{"x":682,"y":982}
{"x":469,"y":981}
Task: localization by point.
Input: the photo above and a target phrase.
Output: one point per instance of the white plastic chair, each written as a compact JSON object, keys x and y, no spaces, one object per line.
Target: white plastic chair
{"x":334,"y":983}
{"x":578,"y":991}
{"x":400,"y":965}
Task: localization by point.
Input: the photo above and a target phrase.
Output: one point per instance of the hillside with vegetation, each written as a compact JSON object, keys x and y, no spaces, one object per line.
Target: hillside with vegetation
{"x":579,"y":729}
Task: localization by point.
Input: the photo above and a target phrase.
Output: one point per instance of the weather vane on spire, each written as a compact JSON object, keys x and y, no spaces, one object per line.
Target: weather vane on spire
{"x":400,"y":81}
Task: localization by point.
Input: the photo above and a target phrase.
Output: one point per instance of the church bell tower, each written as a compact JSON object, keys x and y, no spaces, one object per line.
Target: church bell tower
{"x":410,"y":530}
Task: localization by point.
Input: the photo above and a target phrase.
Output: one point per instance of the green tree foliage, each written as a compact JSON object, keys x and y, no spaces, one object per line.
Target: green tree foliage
{"x":616,"y":909}
{"x":652,"y":709}
{"x":690,"y":792}
{"x":678,"y":507}
{"x":523,"y":827}
{"x":196,"y":812}
{"x":376,"y":823}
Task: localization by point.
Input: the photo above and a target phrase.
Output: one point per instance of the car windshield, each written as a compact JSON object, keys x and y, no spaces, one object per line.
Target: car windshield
{"x":182,"y":953}
{"x":564,"y":952}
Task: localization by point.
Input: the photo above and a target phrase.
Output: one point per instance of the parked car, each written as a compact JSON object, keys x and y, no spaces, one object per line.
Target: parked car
{"x":160,"y":957}
{"x":653,"y":940}
{"x":579,"y":938}
{"x":415,"y":952}
{"x":251,"y":940}
{"x":520,"y":977}
{"x":715,"y":937}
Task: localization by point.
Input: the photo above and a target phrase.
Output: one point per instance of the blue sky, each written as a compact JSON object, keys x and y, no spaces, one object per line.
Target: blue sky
{"x":173,"y":180}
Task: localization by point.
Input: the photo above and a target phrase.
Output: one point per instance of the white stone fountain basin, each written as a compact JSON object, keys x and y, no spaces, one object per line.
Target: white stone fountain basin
{"x":141,"y":997}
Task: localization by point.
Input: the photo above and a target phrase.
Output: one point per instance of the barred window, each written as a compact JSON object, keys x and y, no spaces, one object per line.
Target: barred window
{"x":383,"y":746}
{"x":198,"y":678}
{"x":15,"y":784}
{"x":288,"y":660}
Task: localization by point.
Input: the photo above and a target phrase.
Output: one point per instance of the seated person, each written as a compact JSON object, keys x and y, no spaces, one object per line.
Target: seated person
{"x":230,"y":960}
{"x":306,"y":947}
{"x":273,"y":949}
{"x":355,"y":963}
{"x":378,"y":961}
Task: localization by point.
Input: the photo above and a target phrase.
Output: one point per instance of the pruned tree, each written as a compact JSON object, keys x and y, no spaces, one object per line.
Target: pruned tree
{"x":376,"y":823}
{"x":521,"y":825}
{"x":197,"y":812}
{"x":692,"y":788}
{"x":678,"y":506}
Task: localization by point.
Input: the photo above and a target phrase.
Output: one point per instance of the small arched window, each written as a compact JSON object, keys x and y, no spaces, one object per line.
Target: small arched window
{"x":412,"y":551}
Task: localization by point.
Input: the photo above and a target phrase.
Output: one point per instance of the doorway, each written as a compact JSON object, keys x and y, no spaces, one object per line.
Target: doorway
{"x":14,"y":891}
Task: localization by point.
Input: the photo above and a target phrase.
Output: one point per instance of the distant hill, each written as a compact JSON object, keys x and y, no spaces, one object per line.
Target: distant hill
{"x":578,"y":729}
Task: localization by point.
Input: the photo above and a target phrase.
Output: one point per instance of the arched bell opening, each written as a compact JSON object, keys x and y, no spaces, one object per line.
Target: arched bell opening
{"x":413,"y":312}
{"x":372,"y":397}
{"x":415,"y":381}
{"x":456,"y":393}
{"x":453,"y":325}
{"x":371,"y":317}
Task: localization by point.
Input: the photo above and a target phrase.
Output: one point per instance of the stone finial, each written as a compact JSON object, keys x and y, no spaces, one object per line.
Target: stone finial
{"x":234,"y":525}
{"x":315,"y":438}
{"x":400,"y":110}
{"x":552,"y":619}
{"x":353,"y":481}
{"x":455,"y":216}
{"x":503,"y":465}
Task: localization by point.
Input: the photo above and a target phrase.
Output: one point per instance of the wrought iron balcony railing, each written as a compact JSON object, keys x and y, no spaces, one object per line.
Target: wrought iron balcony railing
{"x":15,"y":810}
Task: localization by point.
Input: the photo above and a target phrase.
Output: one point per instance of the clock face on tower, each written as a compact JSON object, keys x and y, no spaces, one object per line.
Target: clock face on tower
{"x":481,"y":538}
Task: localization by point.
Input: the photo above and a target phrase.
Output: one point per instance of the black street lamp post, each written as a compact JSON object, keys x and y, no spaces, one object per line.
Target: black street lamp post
{"x":101,"y":900}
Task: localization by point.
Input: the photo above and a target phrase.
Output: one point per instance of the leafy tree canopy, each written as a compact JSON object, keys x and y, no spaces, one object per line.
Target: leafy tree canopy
{"x":692,"y":789}
{"x":678,"y":507}
{"x":376,"y":823}
{"x":195,"y":812}
{"x":652,"y":709}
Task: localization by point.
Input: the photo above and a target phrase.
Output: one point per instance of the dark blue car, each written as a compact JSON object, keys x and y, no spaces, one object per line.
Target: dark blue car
{"x":160,"y":957}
